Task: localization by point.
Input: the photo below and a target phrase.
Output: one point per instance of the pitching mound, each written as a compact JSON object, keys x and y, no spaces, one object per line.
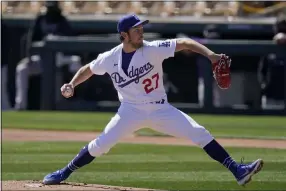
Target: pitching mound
{"x":37,"y":185}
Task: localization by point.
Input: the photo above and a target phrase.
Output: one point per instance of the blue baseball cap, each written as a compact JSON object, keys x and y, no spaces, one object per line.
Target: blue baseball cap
{"x":129,"y":21}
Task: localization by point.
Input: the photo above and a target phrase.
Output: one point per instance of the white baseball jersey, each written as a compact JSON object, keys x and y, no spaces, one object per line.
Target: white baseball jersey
{"x":144,"y":82}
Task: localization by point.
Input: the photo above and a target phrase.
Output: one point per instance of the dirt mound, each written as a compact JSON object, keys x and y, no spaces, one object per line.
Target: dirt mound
{"x":36,"y":185}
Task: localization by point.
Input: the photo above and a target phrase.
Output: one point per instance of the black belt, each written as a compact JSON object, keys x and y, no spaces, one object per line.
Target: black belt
{"x":162,"y":101}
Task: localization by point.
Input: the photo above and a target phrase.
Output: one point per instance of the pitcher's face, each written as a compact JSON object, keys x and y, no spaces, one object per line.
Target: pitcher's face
{"x":135,"y":36}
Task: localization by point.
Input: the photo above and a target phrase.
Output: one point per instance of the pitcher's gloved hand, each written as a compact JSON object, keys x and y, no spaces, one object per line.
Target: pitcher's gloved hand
{"x":221,"y":72}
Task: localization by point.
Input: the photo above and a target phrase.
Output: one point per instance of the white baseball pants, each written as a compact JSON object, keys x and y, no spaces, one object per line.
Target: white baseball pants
{"x":161,"y":117}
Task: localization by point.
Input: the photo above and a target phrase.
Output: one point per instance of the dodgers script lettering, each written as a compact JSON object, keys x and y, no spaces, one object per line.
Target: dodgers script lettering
{"x":135,"y":74}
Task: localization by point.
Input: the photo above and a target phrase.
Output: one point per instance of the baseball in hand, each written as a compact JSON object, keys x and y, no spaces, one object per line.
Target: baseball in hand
{"x":68,"y":92}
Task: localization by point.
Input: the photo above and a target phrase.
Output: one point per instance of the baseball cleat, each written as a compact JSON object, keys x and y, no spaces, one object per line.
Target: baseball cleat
{"x":55,"y":177}
{"x":245,"y":172}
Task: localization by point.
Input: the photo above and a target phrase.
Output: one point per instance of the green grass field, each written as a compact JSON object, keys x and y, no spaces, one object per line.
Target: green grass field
{"x":220,"y":126}
{"x":147,"y":166}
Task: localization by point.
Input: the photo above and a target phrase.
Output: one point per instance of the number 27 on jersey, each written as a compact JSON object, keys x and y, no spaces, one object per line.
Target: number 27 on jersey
{"x":151,"y":84}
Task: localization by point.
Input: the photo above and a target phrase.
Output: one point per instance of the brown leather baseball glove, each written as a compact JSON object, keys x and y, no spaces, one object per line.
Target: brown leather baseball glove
{"x":221,"y":72}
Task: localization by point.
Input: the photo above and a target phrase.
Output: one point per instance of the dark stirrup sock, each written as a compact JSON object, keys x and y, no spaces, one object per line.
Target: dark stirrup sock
{"x":83,"y":158}
{"x":218,"y":153}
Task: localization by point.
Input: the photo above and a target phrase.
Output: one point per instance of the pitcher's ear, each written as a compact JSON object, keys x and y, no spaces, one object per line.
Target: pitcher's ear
{"x":123,"y":34}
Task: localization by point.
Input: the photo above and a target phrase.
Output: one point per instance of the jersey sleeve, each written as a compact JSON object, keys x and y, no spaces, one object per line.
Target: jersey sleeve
{"x":98,"y":65}
{"x":164,"y":48}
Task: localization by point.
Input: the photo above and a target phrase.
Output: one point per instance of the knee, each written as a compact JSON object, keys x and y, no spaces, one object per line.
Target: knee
{"x":97,"y":148}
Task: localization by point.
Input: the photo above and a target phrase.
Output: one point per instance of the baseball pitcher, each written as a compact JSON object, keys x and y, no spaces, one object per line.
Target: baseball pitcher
{"x":135,"y":67}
